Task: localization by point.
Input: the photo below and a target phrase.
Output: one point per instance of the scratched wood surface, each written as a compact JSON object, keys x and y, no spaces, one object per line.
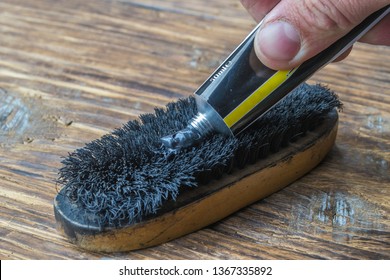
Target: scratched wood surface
{"x":72,"y":71}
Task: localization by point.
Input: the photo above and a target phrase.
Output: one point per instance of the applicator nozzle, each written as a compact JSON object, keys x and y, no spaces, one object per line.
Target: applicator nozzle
{"x":197,"y":129}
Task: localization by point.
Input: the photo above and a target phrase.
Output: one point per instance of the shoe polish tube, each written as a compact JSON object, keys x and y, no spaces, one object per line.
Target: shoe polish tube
{"x":242,"y":89}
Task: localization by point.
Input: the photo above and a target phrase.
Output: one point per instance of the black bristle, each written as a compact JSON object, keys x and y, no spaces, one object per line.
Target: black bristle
{"x":127,"y":175}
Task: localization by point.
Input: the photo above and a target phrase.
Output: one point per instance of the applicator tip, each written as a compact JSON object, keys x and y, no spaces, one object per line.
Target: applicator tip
{"x":184,"y":138}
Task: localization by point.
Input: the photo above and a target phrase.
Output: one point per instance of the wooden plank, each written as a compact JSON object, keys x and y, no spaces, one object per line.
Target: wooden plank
{"x":73,"y":71}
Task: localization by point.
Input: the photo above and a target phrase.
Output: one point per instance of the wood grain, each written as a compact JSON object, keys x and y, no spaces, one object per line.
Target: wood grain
{"x":71,"y":71}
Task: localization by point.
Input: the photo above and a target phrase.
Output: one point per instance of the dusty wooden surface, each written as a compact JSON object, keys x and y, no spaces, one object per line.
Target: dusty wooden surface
{"x":71,"y":71}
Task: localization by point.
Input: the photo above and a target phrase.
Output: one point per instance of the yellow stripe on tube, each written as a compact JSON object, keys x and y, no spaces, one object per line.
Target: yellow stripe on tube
{"x":257,"y":96}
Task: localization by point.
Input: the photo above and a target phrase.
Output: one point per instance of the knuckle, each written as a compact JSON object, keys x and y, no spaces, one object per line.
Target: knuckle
{"x":328,"y":15}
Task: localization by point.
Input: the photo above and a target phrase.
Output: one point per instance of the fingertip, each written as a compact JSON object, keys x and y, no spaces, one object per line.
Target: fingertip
{"x":343,"y":55}
{"x":277,"y":44}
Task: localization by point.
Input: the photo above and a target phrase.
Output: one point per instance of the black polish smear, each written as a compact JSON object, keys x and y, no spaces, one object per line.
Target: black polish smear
{"x":184,"y":138}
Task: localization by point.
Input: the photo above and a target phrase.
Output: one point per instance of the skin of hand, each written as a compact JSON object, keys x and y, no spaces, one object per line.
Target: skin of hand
{"x":295,"y":30}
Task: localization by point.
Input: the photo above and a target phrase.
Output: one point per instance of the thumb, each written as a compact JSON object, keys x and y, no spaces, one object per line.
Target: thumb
{"x":296,"y":30}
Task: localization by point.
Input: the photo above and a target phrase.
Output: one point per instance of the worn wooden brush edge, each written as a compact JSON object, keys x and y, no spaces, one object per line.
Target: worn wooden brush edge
{"x":211,"y":202}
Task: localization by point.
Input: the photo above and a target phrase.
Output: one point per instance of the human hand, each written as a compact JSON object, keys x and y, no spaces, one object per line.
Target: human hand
{"x":296,"y":30}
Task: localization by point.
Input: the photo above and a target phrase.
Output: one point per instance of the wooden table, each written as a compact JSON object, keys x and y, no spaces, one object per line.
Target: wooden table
{"x":72,"y":71}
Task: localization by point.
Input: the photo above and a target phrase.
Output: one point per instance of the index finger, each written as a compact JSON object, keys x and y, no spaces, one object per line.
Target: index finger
{"x":259,"y":8}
